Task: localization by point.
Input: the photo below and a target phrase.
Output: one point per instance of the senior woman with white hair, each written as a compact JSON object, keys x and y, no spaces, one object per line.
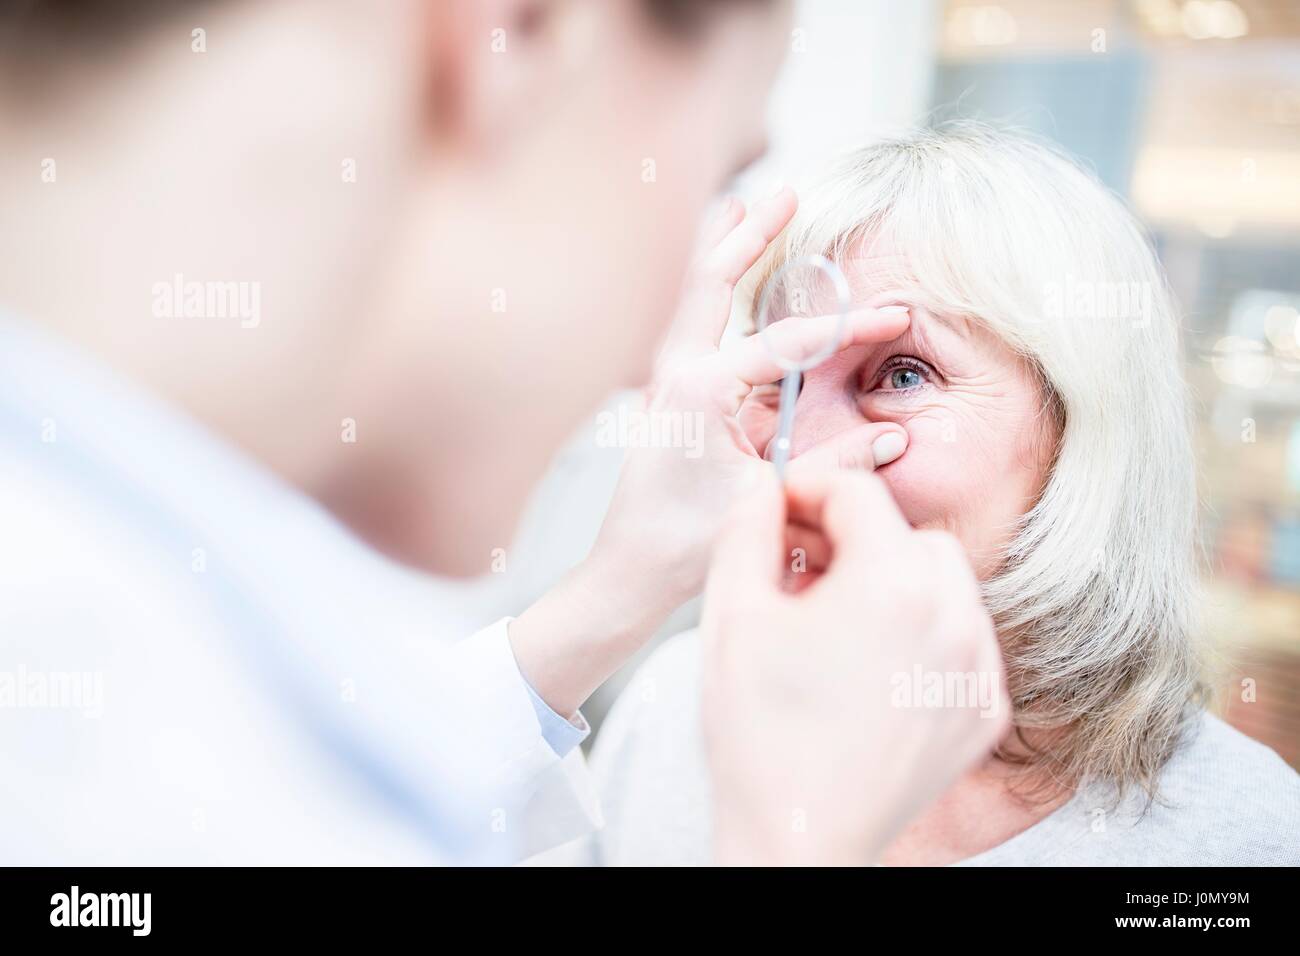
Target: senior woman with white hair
{"x":1038,"y":384}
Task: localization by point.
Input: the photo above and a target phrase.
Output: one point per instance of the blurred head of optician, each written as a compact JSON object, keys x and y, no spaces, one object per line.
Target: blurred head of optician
{"x":455,"y":225}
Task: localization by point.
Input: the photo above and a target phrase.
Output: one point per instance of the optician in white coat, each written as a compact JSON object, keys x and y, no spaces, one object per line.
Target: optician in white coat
{"x":458,"y":225}
{"x":199,"y":664}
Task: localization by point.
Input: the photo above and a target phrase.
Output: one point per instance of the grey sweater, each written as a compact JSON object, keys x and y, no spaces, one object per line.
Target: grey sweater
{"x":1224,"y":798}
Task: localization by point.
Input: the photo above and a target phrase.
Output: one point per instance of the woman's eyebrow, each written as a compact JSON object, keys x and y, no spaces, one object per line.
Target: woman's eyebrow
{"x":889,"y":281}
{"x":957,"y":324}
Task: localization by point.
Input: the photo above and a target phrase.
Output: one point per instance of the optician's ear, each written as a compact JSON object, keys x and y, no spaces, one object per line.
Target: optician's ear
{"x":494,"y":62}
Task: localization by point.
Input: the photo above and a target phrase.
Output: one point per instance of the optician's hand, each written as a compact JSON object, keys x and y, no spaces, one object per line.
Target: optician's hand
{"x":670,"y":501}
{"x":653,"y":549}
{"x":815,"y":756}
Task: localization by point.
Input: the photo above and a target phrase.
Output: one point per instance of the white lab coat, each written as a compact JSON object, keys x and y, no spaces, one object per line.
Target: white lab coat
{"x":198,"y":664}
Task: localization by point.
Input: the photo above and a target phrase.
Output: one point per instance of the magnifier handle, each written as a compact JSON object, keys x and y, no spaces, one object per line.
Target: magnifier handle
{"x":785,"y":421}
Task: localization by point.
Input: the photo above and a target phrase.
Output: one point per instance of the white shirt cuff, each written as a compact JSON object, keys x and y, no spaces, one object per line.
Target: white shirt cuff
{"x":552,"y":799}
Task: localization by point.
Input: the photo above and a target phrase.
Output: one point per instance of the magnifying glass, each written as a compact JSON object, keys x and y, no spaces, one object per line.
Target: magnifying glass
{"x":802,"y":288}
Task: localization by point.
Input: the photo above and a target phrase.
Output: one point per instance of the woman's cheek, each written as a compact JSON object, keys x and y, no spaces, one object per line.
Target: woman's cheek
{"x":925,"y":481}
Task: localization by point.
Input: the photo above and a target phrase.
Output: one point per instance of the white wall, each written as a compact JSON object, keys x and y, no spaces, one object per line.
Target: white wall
{"x":857,"y":70}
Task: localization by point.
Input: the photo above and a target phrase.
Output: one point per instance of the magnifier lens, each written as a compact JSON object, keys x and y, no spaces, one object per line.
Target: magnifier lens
{"x":804,"y":303}
{"x":801,"y":316}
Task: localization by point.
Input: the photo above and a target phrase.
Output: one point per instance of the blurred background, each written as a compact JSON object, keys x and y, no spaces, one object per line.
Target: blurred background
{"x":1190,"y":109}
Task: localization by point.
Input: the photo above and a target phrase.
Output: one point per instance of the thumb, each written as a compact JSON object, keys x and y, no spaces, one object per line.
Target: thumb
{"x":863,"y":448}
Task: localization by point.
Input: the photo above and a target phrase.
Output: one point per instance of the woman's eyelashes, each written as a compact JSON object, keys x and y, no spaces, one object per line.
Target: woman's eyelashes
{"x":900,"y":376}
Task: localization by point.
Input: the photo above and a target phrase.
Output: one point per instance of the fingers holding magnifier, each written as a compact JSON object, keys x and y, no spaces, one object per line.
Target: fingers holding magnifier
{"x":726,"y":217}
{"x":730,"y":243}
{"x":766,"y":356}
{"x":741,"y":247}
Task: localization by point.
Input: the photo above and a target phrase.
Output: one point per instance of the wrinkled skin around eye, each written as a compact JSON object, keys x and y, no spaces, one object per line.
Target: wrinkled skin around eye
{"x":979,"y":441}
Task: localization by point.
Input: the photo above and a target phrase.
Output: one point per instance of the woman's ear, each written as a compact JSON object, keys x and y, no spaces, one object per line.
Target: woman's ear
{"x":492,"y":62}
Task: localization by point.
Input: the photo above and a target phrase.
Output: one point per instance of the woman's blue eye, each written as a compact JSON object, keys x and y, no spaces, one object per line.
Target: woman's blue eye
{"x":904,"y":378}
